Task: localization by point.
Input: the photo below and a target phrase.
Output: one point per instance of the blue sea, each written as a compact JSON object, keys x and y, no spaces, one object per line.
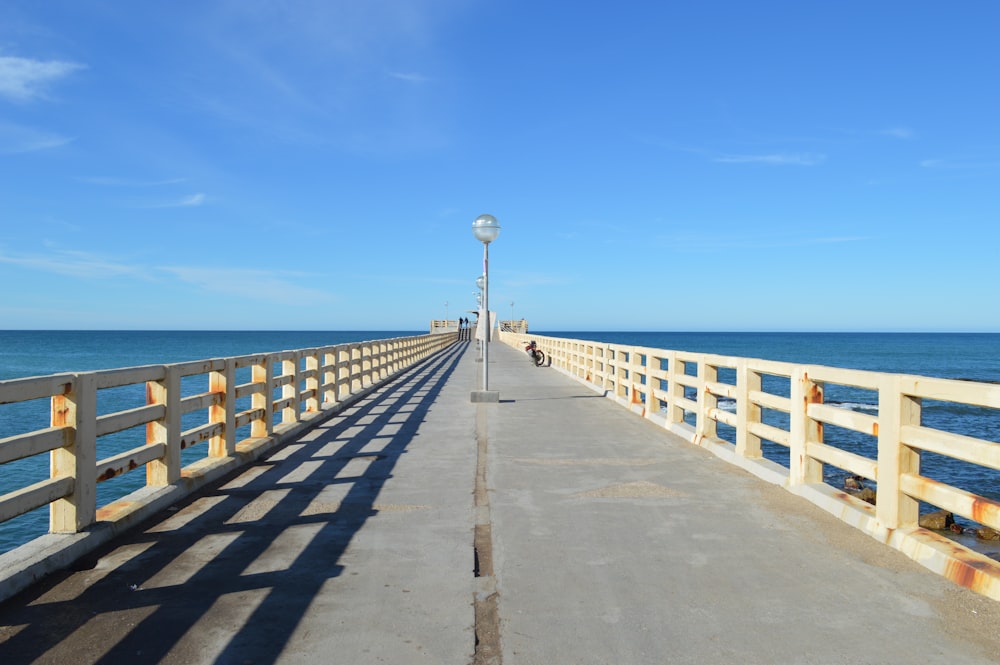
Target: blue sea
{"x":967,"y":356}
{"x":971,"y":356}
{"x":963,"y":356}
{"x":40,"y":352}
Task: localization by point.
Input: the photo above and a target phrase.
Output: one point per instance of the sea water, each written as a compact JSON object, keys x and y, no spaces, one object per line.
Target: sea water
{"x":26,"y":353}
{"x":966,"y":356}
{"x":962,"y":356}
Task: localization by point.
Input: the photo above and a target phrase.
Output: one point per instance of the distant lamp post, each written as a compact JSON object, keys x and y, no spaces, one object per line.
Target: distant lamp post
{"x":486,"y":228}
{"x":480,"y":284}
{"x":512,"y":311}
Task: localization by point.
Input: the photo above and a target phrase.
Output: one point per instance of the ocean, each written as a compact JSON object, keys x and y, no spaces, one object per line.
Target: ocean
{"x":967,"y":356}
{"x":963,"y":356}
{"x":41,"y":352}
{"x":970,"y":356}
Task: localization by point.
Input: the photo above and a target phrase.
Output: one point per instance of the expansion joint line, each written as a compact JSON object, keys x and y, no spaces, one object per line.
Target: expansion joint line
{"x":486,"y":596}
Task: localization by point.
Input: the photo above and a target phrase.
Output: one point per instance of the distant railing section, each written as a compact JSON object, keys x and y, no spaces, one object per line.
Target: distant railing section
{"x":783,"y":403}
{"x":452,"y":325}
{"x":283,"y":393}
{"x":439,"y":326}
{"x":514,"y":326}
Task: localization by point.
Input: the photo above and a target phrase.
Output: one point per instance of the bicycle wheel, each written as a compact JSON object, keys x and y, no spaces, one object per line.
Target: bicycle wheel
{"x":539,"y":358}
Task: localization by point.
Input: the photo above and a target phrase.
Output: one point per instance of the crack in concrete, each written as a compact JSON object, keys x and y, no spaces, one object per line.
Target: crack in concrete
{"x":485,"y":600}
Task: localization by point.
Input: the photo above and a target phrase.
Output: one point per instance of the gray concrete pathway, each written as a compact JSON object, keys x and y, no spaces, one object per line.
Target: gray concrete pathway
{"x":615,"y":542}
{"x":601,"y":539}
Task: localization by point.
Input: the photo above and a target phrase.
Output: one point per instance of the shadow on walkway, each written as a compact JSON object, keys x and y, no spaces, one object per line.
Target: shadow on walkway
{"x":251,"y":552}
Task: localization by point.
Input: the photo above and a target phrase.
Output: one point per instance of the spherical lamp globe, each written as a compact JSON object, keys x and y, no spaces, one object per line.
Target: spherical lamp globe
{"x":486,"y":228}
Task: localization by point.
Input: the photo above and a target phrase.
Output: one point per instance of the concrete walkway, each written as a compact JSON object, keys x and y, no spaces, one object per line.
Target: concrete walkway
{"x":596,"y":538}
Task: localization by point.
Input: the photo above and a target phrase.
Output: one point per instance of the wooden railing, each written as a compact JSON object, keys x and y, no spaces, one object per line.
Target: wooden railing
{"x":439,"y":326}
{"x":179,"y":406}
{"x":783,"y":404}
{"x":515,"y":326}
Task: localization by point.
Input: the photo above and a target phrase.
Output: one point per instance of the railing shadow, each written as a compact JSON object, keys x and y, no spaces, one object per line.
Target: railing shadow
{"x":219,"y":549}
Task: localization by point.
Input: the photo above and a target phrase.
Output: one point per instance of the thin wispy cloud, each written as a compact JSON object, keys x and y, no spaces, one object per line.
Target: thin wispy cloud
{"x":71,"y":263}
{"x":774,"y":159}
{"x":945,"y":164}
{"x":24,"y":79}
{"x":254,"y":285}
{"x":409,"y":77}
{"x":192,"y":201}
{"x":126,"y":182}
{"x":902,"y":133}
{"x":699,"y":242}
{"x":18,"y":139}
{"x":528,"y":279}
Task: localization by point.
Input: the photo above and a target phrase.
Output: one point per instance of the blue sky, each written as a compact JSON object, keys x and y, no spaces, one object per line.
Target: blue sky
{"x":317,"y":165}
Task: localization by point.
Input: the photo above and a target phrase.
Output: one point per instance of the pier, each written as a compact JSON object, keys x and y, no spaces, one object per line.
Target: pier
{"x":390,"y":519}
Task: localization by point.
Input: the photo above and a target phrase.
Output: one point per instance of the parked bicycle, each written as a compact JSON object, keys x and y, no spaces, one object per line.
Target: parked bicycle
{"x":535,"y":353}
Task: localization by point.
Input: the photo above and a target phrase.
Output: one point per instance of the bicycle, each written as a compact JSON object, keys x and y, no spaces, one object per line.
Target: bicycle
{"x":535,"y":353}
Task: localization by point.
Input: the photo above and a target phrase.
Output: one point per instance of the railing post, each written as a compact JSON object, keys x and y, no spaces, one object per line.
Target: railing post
{"x":586,"y":362}
{"x":705,"y":426}
{"x":328,"y":372}
{"x":651,"y":404}
{"x":223,"y":384}
{"x":290,"y":368}
{"x":675,"y":368}
{"x":383,"y":360}
{"x":893,"y":508}
{"x":262,"y":376}
{"x":167,"y":430}
{"x":77,"y":459}
{"x":366,"y":365}
{"x":405,"y":350}
{"x":356,"y":368}
{"x":653,"y":369}
{"x":747,"y":413}
{"x":343,"y":372}
{"x":803,"y":429}
{"x":600,"y":355}
{"x":614,"y":358}
{"x":313,"y":380}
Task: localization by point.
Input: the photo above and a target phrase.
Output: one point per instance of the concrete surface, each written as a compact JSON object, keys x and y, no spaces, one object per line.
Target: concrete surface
{"x":596,"y":538}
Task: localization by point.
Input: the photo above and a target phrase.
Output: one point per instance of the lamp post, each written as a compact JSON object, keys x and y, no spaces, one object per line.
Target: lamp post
{"x":486,"y":228}
{"x":480,"y":284}
{"x":479,"y":306}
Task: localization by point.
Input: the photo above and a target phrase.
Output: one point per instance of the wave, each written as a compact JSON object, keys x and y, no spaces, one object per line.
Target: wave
{"x":855,"y":406}
{"x":929,"y":408}
{"x":729,"y":404}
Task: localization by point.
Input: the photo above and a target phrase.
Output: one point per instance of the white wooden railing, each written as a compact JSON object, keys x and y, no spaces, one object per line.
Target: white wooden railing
{"x":285,"y":392}
{"x":680,"y":391}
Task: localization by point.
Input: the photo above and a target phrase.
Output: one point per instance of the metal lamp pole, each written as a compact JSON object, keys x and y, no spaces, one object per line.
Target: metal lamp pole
{"x":480,"y":284}
{"x":486,"y":229}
